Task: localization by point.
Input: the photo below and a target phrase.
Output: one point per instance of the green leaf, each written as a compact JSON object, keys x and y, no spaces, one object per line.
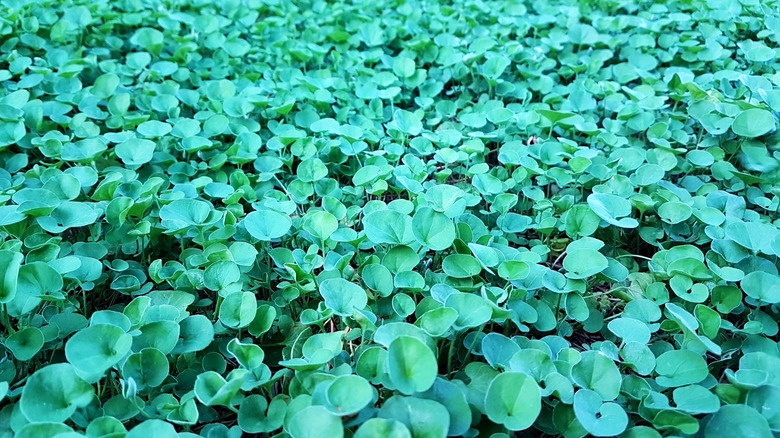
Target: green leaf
{"x":403,"y":67}
{"x":196,"y":333}
{"x":266,"y":225}
{"x":238,"y":309}
{"x":696,"y":399}
{"x":320,"y":224}
{"x":407,"y":122}
{"x":680,"y":367}
{"x":766,"y":401}
{"x":381,"y":427}
{"x":153,"y":427}
{"x":411,"y":365}
{"x":315,"y":421}
{"x":674,"y":212}
{"x":10,"y":262}
{"x":423,"y":418}
{"x":211,"y":389}
{"x":105,"y":85}
{"x":154,"y":128}
{"x":433,"y":229}
{"x":473,"y":310}
{"x":461,"y":266}
{"x":25,"y":343}
{"x":255,"y":415}
{"x":342,"y":296}
{"x":598,"y":373}
{"x":184,"y":213}
{"x":135,"y":151}
{"x":249,"y":356}
{"x":453,"y":397}
{"x":97,"y":348}
{"x":148,"y":368}
{"x":612,"y":209}
{"x":583,"y":263}
{"x":436,"y":322}
{"x":348,"y":395}
{"x":753,"y":123}
{"x":388,"y":226}
{"x":599,"y":418}
{"x":737,"y":420}
{"x":219,"y":275}
{"x":53,"y":393}
{"x":513,"y":400}
{"x":762,"y":286}
{"x":9,"y":214}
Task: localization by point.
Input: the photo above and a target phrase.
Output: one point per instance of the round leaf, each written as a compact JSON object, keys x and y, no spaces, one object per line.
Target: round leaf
{"x":97,"y":348}
{"x":53,"y":393}
{"x":433,"y":229}
{"x":411,"y":365}
{"x":597,"y":372}
{"x":599,"y":418}
{"x":513,"y":400}
{"x":343,"y":296}
{"x":584,"y":262}
{"x":349,"y":394}
{"x":267,"y":224}
{"x":315,"y":422}
{"x":762,"y":286}
{"x":148,"y":368}
{"x":382,"y":427}
{"x":679,"y":368}
{"x":737,"y":420}
{"x":25,"y":343}
{"x":388,"y":226}
{"x":135,"y":151}
{"x":753,"y":123}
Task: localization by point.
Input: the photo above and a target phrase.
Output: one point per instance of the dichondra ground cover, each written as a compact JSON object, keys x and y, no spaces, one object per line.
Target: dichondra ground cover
{"x":398,"y":219}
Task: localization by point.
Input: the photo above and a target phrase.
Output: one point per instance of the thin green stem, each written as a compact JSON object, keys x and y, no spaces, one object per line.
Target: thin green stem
{"x":6,"y":320}
{"x":451,"y":353}
{"x":471,"y":347}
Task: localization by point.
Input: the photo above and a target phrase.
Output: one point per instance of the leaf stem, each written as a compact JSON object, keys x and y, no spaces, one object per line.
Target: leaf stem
{"x":6,"y":319}
{"x":451,"y":353}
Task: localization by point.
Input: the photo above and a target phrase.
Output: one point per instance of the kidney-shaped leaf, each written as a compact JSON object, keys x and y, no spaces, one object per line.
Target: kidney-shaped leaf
{"x":424,"y":418}
{"x":135,"y":151}
{"x":597,"y":417}
{"x":433,"y":229}
{"x":514,"y":400}
{"x":53,"y":393}
{"x":149,"y":367}
{"x":267,"y":224}
{"x":612,"y":209}
{"x":212,"y":389}
{"x":407,"y":122}
{"x":183,"y":213}
{"x":349,"y":394}
{"x":762,"y":286}
{"x":388,"y":226}
{"x":584,"y":262}
{"x":315,"y":422}
{"x":343,"y":296}
{"x":25,"y":343}
{"x":10,"y":262}
{"x":97,"y":348}
{"x":753,"y":122}
{"x":680,"y":367}
{"x":411,"y":365}
{"x":597,"y":372}
{"x":382,"y":427}
{"x":737,"y":420}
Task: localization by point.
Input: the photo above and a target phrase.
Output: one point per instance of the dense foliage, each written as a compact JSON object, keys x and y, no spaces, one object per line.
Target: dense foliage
{"x":389,"y":218}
